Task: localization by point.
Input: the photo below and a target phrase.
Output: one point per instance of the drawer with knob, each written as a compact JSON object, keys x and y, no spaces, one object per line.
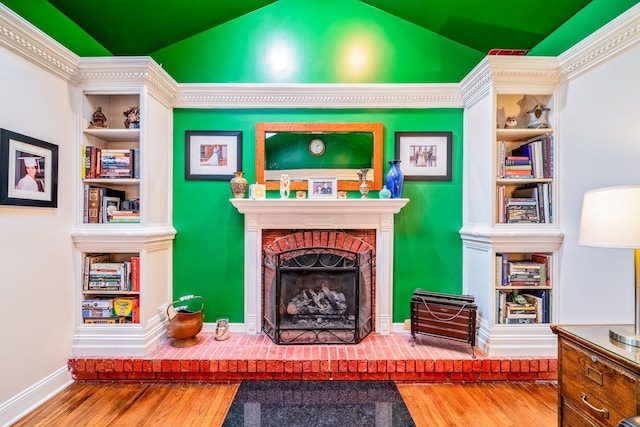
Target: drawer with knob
{"x":600,"y":390}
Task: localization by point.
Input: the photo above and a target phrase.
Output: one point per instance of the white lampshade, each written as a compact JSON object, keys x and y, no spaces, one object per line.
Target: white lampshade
{"x":611,"y":217}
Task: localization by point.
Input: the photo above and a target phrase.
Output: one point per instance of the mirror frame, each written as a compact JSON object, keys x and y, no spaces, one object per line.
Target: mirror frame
{"x":376,"y":128}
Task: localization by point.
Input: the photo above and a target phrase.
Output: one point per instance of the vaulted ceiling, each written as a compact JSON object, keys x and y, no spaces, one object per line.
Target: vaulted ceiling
{"x":140,"y":27}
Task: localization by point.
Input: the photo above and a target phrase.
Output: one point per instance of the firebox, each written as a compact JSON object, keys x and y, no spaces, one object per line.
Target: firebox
{"x":317,"y":295}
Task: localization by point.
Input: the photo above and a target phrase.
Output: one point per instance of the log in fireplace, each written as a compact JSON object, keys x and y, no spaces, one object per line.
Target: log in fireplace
{"x":317,"y":295}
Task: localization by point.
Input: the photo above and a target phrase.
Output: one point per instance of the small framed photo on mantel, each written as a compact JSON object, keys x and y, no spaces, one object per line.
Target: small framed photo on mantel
{"x":425,"y":156}
{"x":323,"y":188}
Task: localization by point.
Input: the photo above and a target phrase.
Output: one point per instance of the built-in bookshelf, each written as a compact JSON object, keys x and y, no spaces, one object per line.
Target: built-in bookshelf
{"x":110,"y":158}
{"x":111,"y":288}
{"x":123,"y":214}
{"x":523,"y":288}
{"x":524,"y":183}
{"x":510,"y":215}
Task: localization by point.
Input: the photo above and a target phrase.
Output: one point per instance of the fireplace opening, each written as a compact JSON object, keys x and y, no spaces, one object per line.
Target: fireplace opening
{"x":317,"y":295}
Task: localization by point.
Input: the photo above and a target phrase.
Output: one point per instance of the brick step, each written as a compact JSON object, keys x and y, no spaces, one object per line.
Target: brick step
{"x":256,"y":357}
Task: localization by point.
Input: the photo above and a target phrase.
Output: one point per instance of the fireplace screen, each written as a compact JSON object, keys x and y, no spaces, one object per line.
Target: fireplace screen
{"x":317,"y":296}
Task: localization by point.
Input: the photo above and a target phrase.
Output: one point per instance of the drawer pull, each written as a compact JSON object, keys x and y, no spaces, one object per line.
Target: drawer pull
{"x":594,"y":359}
{"x":603,"y":411}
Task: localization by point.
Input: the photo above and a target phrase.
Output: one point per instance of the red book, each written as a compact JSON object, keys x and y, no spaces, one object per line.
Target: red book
{"x":135,"y":274}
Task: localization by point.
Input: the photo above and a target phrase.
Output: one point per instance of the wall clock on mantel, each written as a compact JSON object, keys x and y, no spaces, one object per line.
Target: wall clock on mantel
{"x":316,"y":147}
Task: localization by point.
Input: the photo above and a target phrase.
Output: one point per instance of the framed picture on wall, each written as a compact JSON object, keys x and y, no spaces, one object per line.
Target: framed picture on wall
{"x":425,"y":156}
{"x":323,"y":188}
{"x":29,"y":171}
{"x":212,"y":155}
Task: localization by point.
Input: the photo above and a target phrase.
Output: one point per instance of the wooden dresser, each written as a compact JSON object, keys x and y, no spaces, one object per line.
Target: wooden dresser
{"x":598,"y":378}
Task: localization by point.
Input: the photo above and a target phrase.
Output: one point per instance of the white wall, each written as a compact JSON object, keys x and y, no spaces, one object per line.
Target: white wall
{"x":36,"y":269}
{"x":599,"y":146}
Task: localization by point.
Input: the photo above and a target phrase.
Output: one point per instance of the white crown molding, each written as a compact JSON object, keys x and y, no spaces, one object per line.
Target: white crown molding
{"x":101,"y":73}
{"x":27,"y":41}
{"x":513,"y":73}
{"x":613,"y":39}
{"x":318,"y":96}
{"x":510,"y":74}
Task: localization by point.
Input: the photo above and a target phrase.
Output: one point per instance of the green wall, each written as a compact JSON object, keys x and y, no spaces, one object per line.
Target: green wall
{"x":209,"y":246}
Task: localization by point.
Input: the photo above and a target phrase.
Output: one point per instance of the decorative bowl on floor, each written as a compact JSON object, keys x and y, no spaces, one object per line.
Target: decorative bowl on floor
{"x":185,"y":322}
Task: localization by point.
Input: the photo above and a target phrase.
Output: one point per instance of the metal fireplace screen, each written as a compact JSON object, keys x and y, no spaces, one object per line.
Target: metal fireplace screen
{"x":317,"y":296}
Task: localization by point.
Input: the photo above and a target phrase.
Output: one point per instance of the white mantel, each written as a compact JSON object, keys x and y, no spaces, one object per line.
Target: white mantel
{"x":308,"y":214}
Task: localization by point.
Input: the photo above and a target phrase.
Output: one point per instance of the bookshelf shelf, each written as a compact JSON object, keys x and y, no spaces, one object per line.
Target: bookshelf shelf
{"x":114,"y":135}
{"x":522,"y":134}
{"x":112,"y":181}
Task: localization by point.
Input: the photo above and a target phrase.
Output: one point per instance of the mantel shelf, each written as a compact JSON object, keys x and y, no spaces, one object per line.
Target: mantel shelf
{"x":318,"y":206}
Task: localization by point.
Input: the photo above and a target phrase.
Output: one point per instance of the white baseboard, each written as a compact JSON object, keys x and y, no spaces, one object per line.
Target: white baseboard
{"x":29,"y":399}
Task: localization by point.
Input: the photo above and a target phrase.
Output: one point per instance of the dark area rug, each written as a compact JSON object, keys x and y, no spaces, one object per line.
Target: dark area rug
{"x":318,"y":404}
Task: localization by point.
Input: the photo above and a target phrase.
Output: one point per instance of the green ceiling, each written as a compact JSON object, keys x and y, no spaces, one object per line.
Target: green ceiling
{"x":141,"y":27}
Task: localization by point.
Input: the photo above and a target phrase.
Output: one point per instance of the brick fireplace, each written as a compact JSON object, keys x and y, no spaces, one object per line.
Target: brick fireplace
{"x":317,"y":285}
{"x":360,"y":216}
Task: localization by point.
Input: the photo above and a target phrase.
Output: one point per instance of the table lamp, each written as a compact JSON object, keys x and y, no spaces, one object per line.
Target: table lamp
{"x":611,"y":218}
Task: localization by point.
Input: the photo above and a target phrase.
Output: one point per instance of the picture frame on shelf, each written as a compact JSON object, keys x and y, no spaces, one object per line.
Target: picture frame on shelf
{"x":29,"y":171}
{"x":109,"y":205}
{"x":424,"y":156}
{"x":323,"y":188}
{"x":212,"y":155}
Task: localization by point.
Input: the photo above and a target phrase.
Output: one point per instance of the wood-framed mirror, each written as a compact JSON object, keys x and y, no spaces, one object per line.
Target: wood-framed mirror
{"x":319,"y":150}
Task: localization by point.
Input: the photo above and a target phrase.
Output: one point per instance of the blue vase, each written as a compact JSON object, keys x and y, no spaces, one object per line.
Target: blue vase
{"x":395,"y":179}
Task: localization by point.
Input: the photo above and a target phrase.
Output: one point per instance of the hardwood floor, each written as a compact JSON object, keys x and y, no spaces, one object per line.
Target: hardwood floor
{"x":179,"y":404}
{"x":141,"y":404}
{"x":486,"y":404}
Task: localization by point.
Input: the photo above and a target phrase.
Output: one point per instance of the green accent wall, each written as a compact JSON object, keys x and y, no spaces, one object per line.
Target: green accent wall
{"x":209,"y":245}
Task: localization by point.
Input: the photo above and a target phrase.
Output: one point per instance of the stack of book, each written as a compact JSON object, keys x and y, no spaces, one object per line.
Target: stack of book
{"x":109,"y":276}
{"x":116,"y":163}
{"x":526,"y":273}
{"x":521,"y":210}
{"x":517,"y":167}
{"x":124,"y":217}
{"x":520,"y":313}
{"x":110,"y":163}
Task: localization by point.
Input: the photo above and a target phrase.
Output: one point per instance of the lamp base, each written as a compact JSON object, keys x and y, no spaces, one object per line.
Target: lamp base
{"x":625,"y":335}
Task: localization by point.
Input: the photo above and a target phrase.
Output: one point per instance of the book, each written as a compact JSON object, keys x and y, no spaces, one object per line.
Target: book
{"x":546,"y":261}
{"x":501,"y":270}
{"x":544,"y":298}
{"x":519,"y":321}
{"x":85,"y":203}
{"x":89,"y":261}
{"x":135,"y":273}
{"x":93,"y":208}
{"x":522,"y":213}
{"x":537,"y":303}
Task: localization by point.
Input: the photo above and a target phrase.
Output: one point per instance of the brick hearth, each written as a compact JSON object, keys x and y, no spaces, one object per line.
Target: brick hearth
{"x":256,"y":357}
